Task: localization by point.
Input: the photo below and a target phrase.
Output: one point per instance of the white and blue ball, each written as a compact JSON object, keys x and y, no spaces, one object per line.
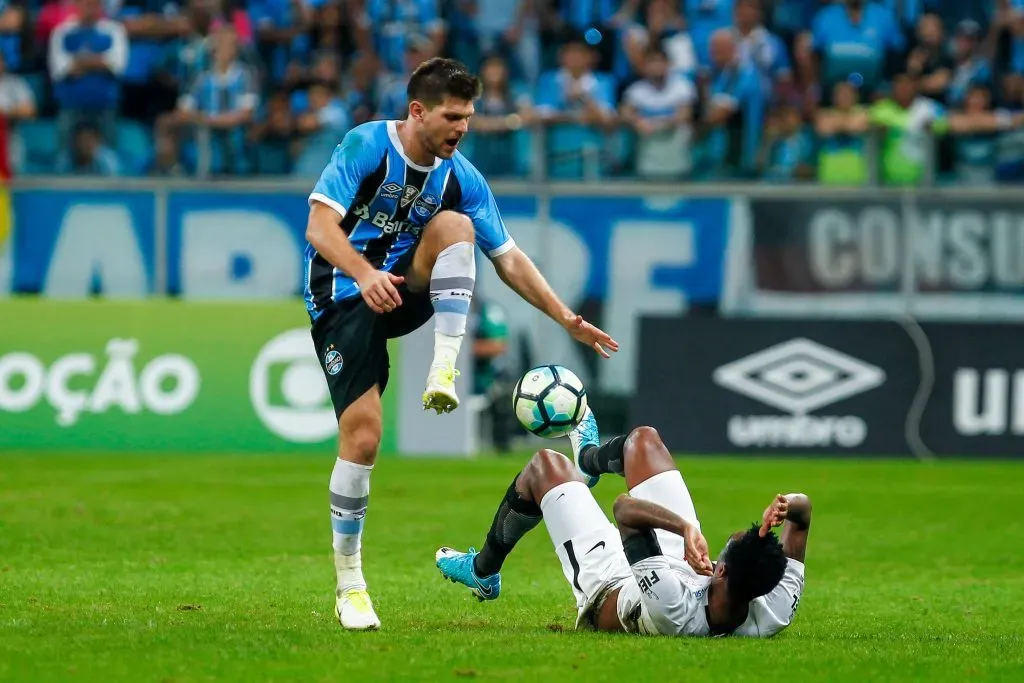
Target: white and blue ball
{"x":549,"y":401}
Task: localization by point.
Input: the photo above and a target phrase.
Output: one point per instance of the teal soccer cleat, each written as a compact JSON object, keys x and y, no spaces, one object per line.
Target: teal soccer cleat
{"x":585,"y":435}
{"x":458,"y":568}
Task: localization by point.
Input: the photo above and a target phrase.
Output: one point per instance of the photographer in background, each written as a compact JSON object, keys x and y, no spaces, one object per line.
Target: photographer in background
{"x":491,"y":376}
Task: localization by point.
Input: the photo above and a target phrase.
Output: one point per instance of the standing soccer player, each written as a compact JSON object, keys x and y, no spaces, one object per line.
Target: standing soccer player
{"x":391,"y":231}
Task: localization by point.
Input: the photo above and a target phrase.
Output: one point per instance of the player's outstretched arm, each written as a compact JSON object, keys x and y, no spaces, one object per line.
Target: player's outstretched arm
{"x":636,"y":517}
{"x":519,"y":272}
{"x":793,"y":512}
{"x":377,"y":287}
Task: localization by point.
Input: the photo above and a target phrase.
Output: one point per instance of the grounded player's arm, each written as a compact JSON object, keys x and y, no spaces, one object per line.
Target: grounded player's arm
{"x":518,"y":271}
{"x":636,"y":518}
{"x":323,"y":232}
{"x":793,"y":512}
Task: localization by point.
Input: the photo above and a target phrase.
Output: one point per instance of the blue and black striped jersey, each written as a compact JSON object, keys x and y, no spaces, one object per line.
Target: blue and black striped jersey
{"x":386,"y":200}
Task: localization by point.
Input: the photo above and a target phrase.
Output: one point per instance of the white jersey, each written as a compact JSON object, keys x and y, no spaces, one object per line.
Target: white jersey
{"x":678,"y":607}
{"x":773,"y":612}
{"x":664,"y":599}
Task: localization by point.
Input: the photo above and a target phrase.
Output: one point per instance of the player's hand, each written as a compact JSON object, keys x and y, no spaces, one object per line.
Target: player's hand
{"x":774,"y":514}
{"x":594,"y":337}
{"x":696,"y":551}
{"x":380,"y":290}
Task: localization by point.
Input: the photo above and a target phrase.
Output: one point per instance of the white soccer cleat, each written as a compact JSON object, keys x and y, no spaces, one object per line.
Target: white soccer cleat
{"x":440,"y":392}
{"x":355,"y":610}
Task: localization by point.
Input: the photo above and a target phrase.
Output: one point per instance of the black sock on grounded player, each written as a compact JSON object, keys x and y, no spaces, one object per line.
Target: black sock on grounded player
{"x":515,"y":517}
{"x":606,"y":459}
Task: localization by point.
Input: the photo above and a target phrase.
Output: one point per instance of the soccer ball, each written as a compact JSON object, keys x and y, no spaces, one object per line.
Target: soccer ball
{"x":549,"y":401}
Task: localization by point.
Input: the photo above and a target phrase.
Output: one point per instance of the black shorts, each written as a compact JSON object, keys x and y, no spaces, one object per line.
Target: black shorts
{"x":351,"y":343}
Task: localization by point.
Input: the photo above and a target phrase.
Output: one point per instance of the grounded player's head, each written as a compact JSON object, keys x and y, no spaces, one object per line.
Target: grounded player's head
{"x":752,"y":565}
{"x":441,"y":93}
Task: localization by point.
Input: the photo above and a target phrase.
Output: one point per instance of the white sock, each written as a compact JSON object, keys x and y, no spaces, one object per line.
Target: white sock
{"x":350,"y":494}
{"x":451,"y":291}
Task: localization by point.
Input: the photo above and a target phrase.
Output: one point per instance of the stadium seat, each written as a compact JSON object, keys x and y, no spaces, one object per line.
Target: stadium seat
{"x":134,"y":146}
{"x":40,"y":140}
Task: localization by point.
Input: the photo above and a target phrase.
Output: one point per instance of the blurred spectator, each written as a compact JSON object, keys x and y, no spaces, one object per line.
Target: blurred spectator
{"x":969,"y":65}
{"x":842,"y":134}
{"x":705,"y":18}
{"x":506,"y":28}
{"x":762,"y":49}
{"x":928,"y":61}
{"x":221,"y":103}
{"x":660,"y":109}
{"x":908,"y":122}
{"x":578,"y":105}
{"x":977,"y":127}
{"x":12,"y":27}
{"x":89,"y":155}
{"x":282,"y":33}
{"x":492,"y":377}
{"x":322,"y":125}
{"x":1010,"y":145}
{"x":856,"y":37}
{"x":788,"y":148}
{"x":790,"y":18}
{"x":598,"y":21}
{"x":393,"y":100}
{"x":166,"y":161}
{"x":360,"y":87}
{"x":665,"y":25}
{"x":51,"y":15}
{"x":335,"y":28}
{"x":275,"y":136}
{"x":500,"y":113}
{"x":87,"y":58}
{"x":734,"y":109}
{"x":17,"y":103}
{"x":149,"y":24}
{"x":393,"y":22}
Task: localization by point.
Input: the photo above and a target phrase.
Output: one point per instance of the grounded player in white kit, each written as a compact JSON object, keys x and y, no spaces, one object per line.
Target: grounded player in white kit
{"x":652,"y":575}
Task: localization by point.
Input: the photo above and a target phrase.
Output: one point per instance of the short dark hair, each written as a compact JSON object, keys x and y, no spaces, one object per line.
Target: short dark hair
{"x":438,"y":78}
{"x":754,"y":565}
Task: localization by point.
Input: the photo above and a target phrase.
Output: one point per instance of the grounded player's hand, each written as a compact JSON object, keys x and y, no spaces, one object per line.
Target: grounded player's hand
{"x":774,"y":514}
{"x":380,"y":291}
{"x":594,"y":337}
{"x":696,"y":551}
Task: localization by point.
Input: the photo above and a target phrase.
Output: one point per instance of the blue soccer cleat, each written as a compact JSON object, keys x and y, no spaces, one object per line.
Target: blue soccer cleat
{"x":585,"y":435}
{"x":458,"y":568}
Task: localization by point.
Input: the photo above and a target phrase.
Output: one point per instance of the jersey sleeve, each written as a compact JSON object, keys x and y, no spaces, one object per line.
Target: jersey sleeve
{"x":478,"y":203}
{"x":355,"y":158}
{"x":771,"y":613}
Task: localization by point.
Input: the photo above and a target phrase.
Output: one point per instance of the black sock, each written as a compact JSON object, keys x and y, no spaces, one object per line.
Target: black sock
{"x":606,"y":459}
{"x":515,"y":517}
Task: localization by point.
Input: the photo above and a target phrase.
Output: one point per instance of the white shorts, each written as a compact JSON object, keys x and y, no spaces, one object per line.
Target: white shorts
{"x":589,"y":547}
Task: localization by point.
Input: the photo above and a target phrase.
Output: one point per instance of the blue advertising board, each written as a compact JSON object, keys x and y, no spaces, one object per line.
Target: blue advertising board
{"x":619,"y":257}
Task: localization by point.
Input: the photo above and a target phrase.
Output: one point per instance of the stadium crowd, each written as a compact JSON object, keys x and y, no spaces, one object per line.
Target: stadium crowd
{"x":843,"y":92}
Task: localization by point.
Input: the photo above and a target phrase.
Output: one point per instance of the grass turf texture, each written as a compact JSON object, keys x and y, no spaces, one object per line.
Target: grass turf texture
{"x":218,"y":568}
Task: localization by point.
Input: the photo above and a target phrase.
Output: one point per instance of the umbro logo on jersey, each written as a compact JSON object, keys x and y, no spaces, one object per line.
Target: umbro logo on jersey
{"x":391,"y":191}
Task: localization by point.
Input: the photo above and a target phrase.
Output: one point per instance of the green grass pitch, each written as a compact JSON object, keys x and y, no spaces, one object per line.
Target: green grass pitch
{"x":195,"y":568}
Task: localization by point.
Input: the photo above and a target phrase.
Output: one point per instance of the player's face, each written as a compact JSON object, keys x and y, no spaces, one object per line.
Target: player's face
{"x":444,"y":125}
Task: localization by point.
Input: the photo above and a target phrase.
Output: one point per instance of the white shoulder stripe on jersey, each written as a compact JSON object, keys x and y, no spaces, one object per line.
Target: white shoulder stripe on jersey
{"x":397,"y":143}
{"x":505,"y":247}
{"x":324,"y":199}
